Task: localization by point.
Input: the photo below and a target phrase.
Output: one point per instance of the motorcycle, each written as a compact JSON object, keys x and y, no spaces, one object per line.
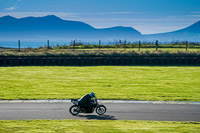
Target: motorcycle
{"x":76,"y":108}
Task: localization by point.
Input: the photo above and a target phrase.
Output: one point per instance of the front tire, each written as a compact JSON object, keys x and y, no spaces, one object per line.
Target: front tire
{"x":74,"y":110}
{"x":101,"y":109}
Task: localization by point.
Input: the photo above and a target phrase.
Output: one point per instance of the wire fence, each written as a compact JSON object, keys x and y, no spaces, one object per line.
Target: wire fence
{"x":114,"y":45}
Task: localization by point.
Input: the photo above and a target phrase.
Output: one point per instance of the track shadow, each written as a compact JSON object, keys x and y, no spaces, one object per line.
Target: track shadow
{"x":102,"y":117}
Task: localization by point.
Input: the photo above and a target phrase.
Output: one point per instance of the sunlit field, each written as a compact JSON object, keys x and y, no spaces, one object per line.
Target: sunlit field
{"x":108,"y":82}
{"x":90,"y":126}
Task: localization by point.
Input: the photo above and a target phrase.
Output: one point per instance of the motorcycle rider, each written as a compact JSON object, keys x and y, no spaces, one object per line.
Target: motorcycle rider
{"x":86,"y":100}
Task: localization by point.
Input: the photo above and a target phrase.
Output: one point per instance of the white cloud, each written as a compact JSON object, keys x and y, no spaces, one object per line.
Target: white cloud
{"x":108,"y":13}
{"x":122,"y":12}
{"x":10,"y":8}
{"x":198,"y":16}
{"x":194,"y":15}
{"x":195,"y":12}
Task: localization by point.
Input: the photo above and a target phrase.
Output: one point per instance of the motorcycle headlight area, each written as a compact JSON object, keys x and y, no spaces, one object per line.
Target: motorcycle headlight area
{"x":75,"y":102}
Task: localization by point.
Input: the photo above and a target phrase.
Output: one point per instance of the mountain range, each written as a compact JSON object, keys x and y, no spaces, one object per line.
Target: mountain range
{"x":54,"y":28}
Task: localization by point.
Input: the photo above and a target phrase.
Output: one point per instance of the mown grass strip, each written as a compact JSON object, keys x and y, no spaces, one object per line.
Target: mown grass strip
{"x":97,"y":126}
{"x":108,"y":82}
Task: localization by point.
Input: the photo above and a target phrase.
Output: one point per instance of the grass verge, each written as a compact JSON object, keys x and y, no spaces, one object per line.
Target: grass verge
{"x":108,"y":82}
{"x":99,"y":126}
{"x":108,"y":52}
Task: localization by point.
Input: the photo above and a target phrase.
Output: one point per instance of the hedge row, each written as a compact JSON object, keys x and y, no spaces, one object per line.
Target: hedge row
{"x":93,"y":61}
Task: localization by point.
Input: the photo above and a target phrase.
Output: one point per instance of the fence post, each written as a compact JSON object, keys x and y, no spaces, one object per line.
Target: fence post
{"x":74,"y":45}
{"x":48,"y":44}
{"x":120,"y":42}
{"x":19,"y":47}
{"x":139,"y":45}
{"x":156,"y":45}
{"x":186,"y":43}
{"x":99,"y":44}
{"x":125,"y":45}
{"x":133,"y":45}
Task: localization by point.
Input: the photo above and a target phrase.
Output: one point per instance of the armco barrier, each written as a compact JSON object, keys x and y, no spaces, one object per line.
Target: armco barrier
{"x":94,"y":61}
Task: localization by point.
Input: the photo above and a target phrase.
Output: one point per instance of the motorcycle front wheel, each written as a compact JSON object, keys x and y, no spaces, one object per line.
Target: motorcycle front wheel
{"x":74,"y":110}
{"x":101,"y":109}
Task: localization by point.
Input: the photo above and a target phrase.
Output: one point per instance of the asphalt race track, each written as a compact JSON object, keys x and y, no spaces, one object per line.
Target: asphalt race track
{"x":115,"y":111}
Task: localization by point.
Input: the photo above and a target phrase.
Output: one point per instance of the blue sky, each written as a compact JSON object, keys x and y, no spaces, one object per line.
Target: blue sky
{"x":147,"y":16}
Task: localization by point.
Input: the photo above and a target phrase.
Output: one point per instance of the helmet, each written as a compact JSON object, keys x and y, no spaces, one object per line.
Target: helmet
{"x":92,"y":94}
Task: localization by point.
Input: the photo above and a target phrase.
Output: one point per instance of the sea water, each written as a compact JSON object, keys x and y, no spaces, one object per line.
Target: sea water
{"x":31,"y":44}
{"x":44,"y":44}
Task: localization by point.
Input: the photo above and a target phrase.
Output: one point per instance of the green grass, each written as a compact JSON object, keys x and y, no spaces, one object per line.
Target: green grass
{"x":108,"y":82}
{"x":97,"y":126}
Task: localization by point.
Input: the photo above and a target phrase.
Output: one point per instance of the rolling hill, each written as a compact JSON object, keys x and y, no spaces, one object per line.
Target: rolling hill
{"x":54,"y":28}
{"x":190,"y":33}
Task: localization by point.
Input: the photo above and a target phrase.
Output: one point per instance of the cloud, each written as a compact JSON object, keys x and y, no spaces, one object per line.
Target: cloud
{"x":10,"y":8}
{"x":121,"y":12}
{"x":108,"y":13}
{"x":198,"y":16}
{"x":194,"y":15}
{"x":195,"y":12}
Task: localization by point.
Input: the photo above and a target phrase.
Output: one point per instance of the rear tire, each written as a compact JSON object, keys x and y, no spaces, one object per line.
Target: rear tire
{"x":101,"y":109}
{"x":74,"y":110}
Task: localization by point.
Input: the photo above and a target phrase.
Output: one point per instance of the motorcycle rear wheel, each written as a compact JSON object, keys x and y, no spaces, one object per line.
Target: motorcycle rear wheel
{"x":74,"y":110}
{"x":101,"y":109}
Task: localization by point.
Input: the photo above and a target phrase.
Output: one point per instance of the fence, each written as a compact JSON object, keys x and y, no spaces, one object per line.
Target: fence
{"x":102,"y":45}
{"x":93,"y":61}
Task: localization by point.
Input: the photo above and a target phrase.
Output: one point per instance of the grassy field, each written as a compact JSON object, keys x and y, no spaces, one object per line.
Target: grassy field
{"x":97,"y":126}
{"x":100,"y":52}
{"x":108,"y":82}
{"x":109,"y":49}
